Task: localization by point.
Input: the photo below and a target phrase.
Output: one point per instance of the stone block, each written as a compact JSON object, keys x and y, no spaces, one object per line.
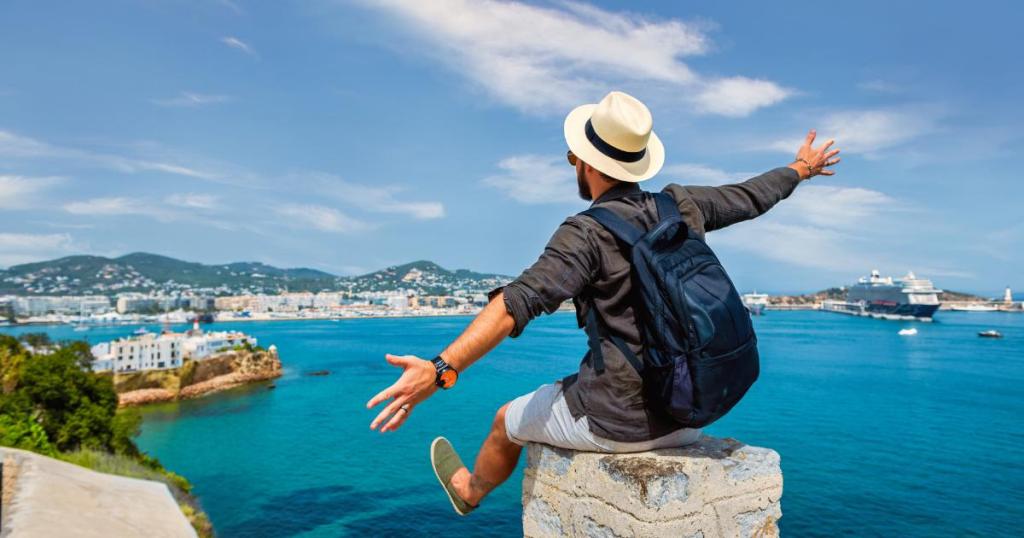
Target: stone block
{"x":713,"y":488}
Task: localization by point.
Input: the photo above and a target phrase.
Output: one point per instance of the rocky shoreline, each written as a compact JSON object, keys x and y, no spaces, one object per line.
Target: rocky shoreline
{"x":197,"y":378}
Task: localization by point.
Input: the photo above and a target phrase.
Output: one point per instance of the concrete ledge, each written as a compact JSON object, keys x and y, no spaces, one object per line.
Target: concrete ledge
{"x":712,"y":488}
{"x":47,"y":497}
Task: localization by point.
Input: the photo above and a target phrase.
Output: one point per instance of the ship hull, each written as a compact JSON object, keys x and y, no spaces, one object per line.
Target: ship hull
{"x":755,"y":309}
{"x":883,"y":310}
{"x":901,"y":311}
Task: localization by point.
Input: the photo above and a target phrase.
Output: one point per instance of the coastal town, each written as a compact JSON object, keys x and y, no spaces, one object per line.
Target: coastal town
{"x":415,"y":289}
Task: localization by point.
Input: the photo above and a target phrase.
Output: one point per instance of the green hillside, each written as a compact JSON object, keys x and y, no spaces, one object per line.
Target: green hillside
{"x":144,"y":272}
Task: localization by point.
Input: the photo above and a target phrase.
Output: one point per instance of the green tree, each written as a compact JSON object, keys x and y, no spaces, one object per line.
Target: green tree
{"x":75,"y":407}
{"x":36,"y":340}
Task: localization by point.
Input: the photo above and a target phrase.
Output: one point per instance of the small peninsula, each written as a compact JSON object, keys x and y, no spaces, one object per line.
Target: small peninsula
{"x":223,"y":371}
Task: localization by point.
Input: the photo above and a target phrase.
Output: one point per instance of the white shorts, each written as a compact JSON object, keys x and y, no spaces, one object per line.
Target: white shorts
{"x":542,"y":416}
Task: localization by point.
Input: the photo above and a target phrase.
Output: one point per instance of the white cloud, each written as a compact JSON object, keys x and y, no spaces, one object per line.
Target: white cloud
{"x":868,"y":131}
{"x":821,"y":227}
{"x":107,"y":206}
{"x":380,"y":199}
{"x":533,"y":179}
{"x":548,"y":59}
{"x":194,"y":201}
{"x":20,"y":192}
{"x":837,"y":207}
{"x":700,"y":174}
{"x":236,"y":43}
{"x":321,"y":218}
{"x":191,"y":100}
{"x":17,"y":146}
{"x":739,"y":96}
{"x":18,"y":248}
{"x":879,"y":86}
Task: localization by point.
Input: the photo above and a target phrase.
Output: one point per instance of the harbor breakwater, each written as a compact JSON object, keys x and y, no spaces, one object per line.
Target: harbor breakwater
{"x":223,"y":371}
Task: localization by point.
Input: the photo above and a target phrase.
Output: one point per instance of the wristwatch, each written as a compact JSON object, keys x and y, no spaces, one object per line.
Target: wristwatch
{"x":446,"y":375}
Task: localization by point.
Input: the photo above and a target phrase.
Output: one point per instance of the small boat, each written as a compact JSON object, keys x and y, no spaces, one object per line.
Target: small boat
{"x":908,"y":332}
{"x":271,"y":386}
{"x":317,"y":373}
{"x":990,"y":334}
{"x":81,"y":328}
{"x":140,"y":331}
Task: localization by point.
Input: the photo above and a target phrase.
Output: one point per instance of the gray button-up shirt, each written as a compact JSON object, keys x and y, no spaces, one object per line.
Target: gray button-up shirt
{"x":583,"y":261}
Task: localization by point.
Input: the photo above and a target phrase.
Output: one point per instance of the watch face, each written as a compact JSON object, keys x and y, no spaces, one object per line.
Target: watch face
{"x":448,"y":378}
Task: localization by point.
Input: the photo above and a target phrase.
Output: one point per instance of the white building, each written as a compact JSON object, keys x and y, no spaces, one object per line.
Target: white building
{"x":163,"y":351}
{"x":63,"y":304}
{"x":145,"y":352}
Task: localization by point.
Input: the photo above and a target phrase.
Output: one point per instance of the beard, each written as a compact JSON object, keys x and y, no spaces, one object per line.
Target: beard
{"x":583,"y":186}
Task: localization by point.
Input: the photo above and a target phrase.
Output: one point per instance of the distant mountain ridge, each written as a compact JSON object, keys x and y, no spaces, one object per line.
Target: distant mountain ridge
{"x":144,"y":272}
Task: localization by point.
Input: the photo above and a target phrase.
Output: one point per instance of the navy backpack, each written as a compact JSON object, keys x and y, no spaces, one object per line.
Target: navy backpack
{"x":699,"y":348}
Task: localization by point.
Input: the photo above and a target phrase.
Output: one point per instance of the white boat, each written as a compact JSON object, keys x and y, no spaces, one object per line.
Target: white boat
{"x":908,"y":332}
{"x":974,"y":307}
{"x":140,"y":331}
{"x":755,"y":303}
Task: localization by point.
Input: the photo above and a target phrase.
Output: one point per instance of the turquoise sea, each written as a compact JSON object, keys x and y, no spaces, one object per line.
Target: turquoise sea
{"x":880,"y":434}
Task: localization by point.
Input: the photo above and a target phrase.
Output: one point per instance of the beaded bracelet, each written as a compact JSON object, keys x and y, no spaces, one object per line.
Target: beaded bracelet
{"x":810,"y":169}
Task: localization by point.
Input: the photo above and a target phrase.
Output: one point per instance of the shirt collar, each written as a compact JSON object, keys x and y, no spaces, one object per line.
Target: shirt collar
{"x":624,"y":188}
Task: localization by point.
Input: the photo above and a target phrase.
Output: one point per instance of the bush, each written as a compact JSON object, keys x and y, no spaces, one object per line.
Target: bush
{"x":53,"y":404}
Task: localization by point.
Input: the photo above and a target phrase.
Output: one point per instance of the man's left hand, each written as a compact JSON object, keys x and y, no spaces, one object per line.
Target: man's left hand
{"x":415,"y":385}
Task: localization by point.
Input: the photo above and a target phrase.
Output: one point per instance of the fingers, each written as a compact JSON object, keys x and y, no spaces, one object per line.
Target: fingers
{"x":833,"y":161}
{"x":399,"y":360}
{"x":397,"y":420}
{"x":831,"y":154}
{"x":827,"y":172}
{"x":381,"y":396}
{"x":828,"y":144}
{"x":391,"y":409}
{"x":810,"y":137}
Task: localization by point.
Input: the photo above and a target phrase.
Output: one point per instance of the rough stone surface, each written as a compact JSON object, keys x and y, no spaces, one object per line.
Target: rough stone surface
{"x":714,"y":488}
{"x":54,"y":498}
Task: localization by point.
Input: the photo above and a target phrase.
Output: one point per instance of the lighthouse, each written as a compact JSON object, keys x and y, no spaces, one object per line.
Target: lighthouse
{"x":1008,"y":296}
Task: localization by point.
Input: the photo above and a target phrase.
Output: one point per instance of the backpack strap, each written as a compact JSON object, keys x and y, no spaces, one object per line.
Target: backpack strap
{"x":667,"y":206}
{"x":594,"y":328}
{"x":624,"y":231}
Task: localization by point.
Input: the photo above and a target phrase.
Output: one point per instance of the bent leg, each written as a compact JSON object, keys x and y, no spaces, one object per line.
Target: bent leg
{"x":494,"y":464}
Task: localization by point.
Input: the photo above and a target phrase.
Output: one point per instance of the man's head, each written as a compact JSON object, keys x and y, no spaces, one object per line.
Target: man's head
{"x":612,"y":141}
{"x":589,"y":179}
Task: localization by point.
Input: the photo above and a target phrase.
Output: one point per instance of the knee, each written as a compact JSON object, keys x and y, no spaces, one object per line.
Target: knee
{"x":499,"y":419}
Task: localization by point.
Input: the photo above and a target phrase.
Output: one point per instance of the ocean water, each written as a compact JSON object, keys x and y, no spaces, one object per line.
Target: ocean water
{"x":880,"y":435}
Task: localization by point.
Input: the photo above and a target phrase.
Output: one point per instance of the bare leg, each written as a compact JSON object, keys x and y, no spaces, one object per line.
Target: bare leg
{"x":494,"y":464}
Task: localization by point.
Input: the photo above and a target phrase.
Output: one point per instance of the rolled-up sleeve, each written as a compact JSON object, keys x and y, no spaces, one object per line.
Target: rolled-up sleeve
{"x":569,"y":262}
{"x":729,"y":204}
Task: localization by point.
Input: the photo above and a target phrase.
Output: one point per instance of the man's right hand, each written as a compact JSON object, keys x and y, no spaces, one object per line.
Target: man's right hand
{"x":812,"y":161}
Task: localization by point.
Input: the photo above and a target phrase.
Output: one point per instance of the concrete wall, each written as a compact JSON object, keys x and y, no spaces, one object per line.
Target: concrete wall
{"x":713,"y":488}
{"x":46,"y":497}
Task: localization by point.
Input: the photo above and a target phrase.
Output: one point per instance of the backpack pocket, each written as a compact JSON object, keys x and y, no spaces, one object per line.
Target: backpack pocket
{"x":720,"y":381}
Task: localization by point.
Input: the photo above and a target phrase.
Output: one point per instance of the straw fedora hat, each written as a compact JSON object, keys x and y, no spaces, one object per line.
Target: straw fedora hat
{"x":615,"y":136}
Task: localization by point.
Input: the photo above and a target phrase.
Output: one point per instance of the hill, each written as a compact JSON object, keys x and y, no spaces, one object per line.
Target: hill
{"x":426,"y":277}
{"x":839,"y":294}
{"x":143,"y":272}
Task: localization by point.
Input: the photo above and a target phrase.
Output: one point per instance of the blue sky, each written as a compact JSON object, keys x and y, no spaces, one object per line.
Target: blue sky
{"x":349,"y":136}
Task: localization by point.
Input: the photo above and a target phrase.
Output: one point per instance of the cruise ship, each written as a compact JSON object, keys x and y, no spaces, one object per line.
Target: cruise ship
{"x":908,"y":298}
{"x":755,"y":303}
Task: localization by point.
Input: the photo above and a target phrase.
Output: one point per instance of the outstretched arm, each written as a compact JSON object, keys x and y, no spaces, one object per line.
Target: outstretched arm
{"x":568,"y":263}
{"x":729,"y":204}
{"x":416,"y":384}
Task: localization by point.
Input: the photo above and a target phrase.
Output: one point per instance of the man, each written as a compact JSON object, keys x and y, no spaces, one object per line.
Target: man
{"x":613,"y":147}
